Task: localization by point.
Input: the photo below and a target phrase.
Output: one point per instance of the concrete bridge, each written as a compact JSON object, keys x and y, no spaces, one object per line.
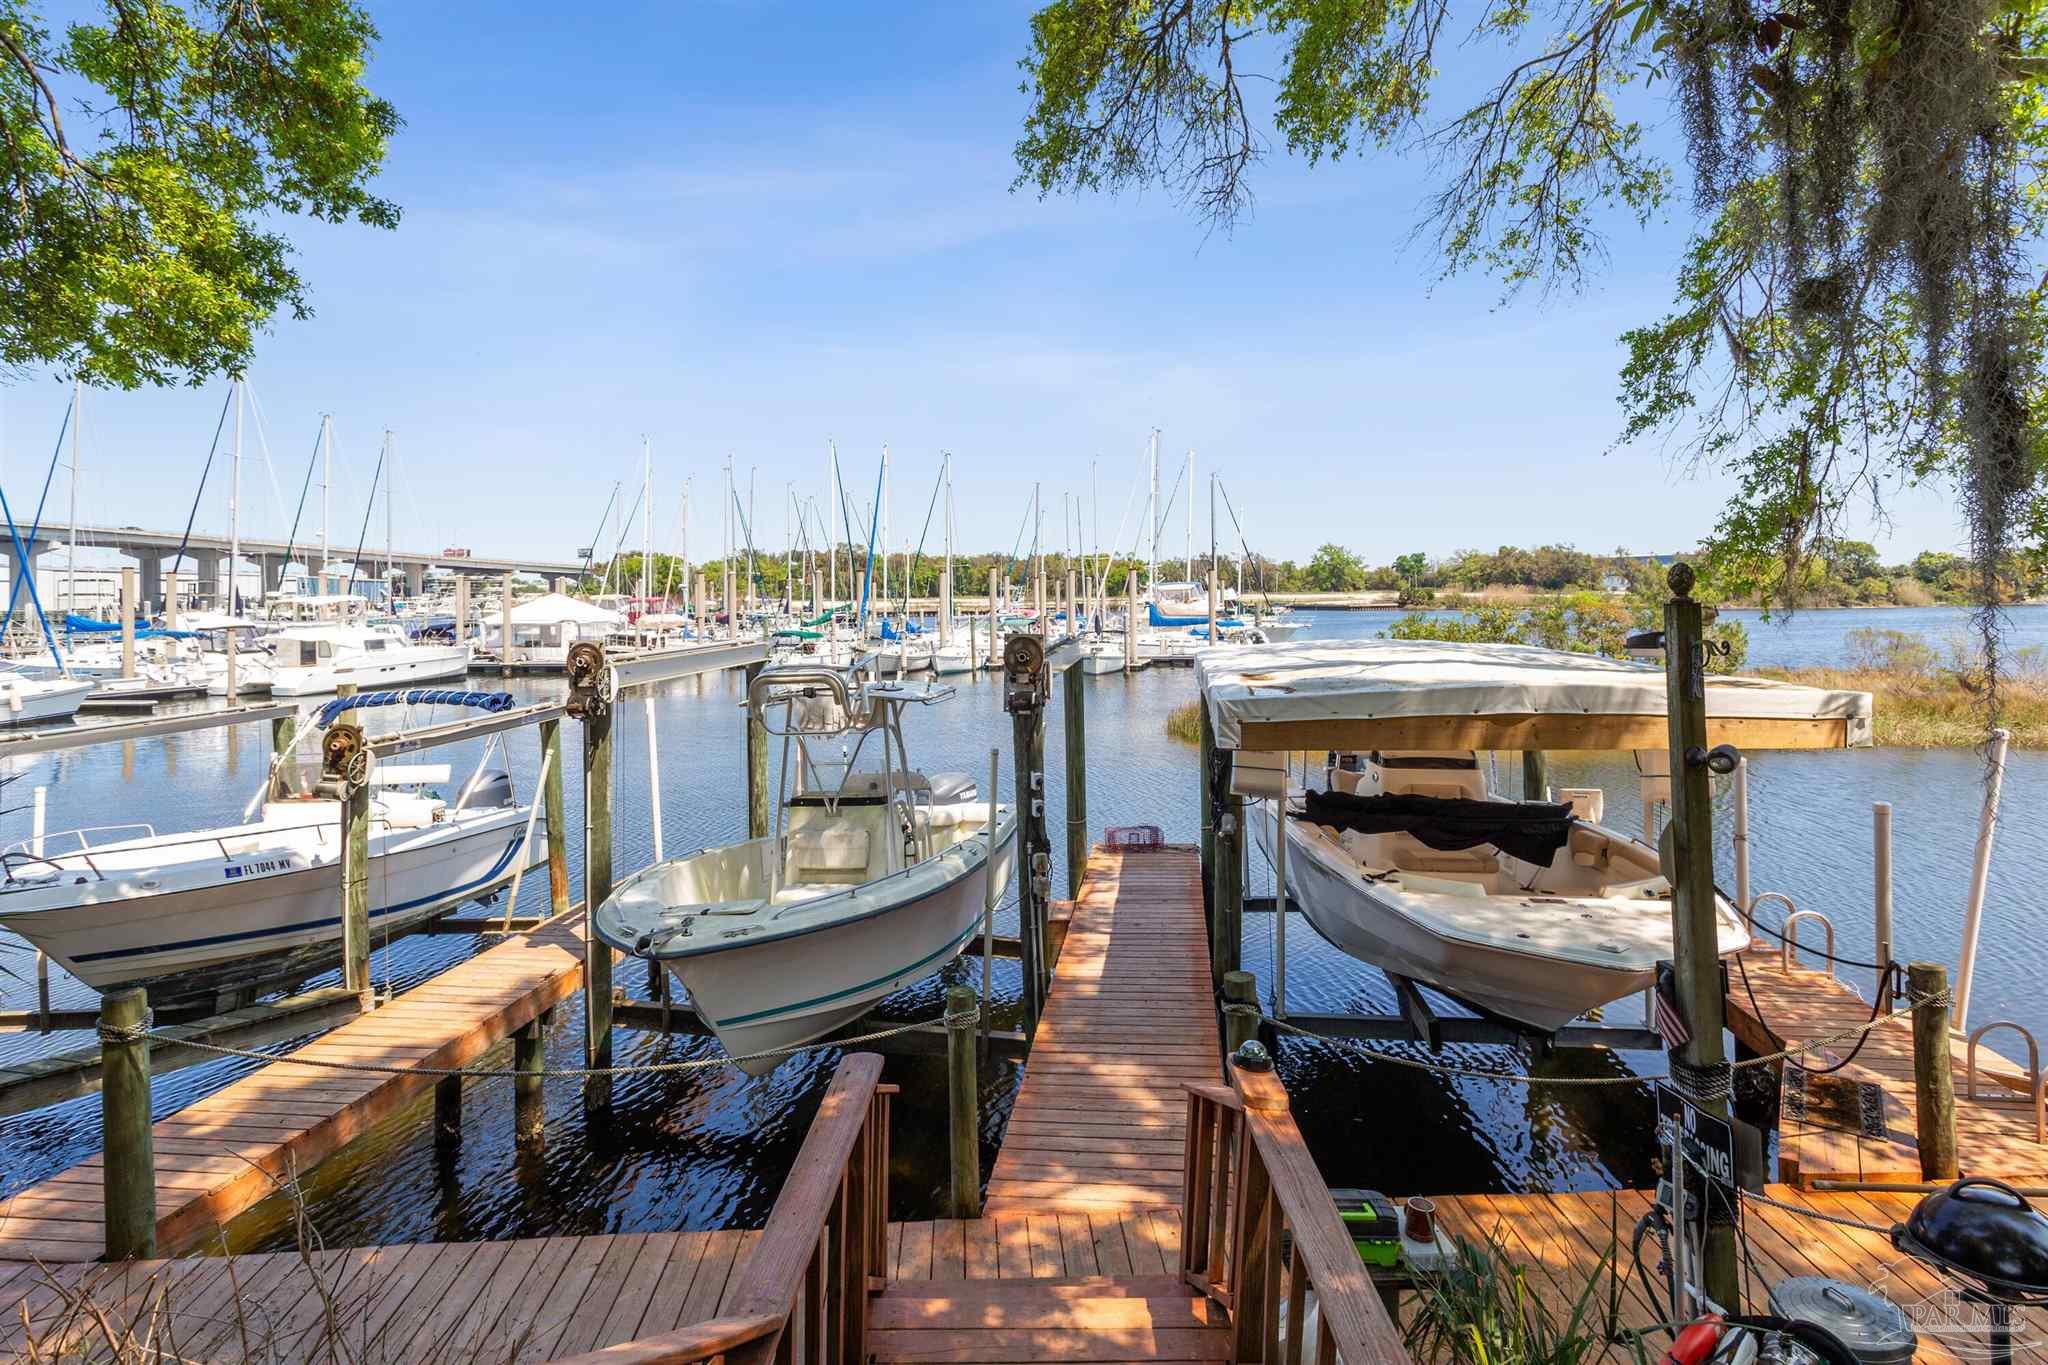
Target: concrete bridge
{"x":208,"y":551}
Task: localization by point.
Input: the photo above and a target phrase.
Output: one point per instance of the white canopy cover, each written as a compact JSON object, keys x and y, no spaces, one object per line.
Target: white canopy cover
{"x":1365,"y":680}
{"x":553,"y":608}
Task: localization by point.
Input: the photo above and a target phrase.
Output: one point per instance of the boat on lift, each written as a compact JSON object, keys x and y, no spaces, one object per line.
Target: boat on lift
{"x":1531,"y":911}
{"x":192,"y":915}
{"x":875,"y":875}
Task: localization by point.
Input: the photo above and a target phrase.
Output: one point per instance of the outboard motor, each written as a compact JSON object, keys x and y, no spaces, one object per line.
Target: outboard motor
{"x":491,"y":789}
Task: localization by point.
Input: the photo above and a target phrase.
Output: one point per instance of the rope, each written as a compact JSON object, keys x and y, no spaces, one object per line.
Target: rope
{"x":1884,"y":1229}
{"x":109,"y":1035}
{"x":1820,"y":953}
{"x":1487,"y":1074}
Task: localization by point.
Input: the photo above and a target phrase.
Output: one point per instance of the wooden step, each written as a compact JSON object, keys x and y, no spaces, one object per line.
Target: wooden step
{"x":1096,"y":1320}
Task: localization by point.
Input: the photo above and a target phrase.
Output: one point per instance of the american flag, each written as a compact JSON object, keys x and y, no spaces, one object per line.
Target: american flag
{"x":1670,"y":1022}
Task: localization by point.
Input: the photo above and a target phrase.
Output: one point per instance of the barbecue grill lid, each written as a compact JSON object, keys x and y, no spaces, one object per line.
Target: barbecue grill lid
{"x":1873,"y":1327}
{"x":1984,"y":1230}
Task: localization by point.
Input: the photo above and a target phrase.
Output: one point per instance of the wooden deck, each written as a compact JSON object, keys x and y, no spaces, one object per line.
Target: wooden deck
{"x":1819,"y":1137}
{"x":219,"y":1155}
{"x":1562,"y":1239}
{"x":528,"y":1300}
{"x":1100,"y":1121}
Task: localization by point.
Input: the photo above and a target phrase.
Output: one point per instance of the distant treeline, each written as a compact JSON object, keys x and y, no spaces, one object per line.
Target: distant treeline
{"x":1843,"y":573}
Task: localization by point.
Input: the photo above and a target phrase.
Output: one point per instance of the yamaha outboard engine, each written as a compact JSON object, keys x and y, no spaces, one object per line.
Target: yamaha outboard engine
{"x":491,"y":788}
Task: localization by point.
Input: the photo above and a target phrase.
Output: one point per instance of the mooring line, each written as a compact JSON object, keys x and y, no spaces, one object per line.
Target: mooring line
{"x":144,"y":1031}
{"x":1523,"y":1078}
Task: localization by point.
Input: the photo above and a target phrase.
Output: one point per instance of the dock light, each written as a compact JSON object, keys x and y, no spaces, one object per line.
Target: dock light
{"x":1721,"y":760}
{"x":1647,"y":645}
{"x":1984,"y":1237}
{"x":1251,"y":1055}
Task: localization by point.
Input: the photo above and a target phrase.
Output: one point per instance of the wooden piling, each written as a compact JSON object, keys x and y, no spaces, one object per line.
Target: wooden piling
{"x":1205,"y":774}
{"x":1131,"y":623}
{"x":505,"y":624}
{"x":448,"y":1112}
{"x":597,"y":888}
{"x":757,"y":765}
{"x":1695,"y":913}
{"x":554,"y":809}
{"x":963,"y":1103}
{"x":128,"y":1168}
{"x":1239,"y":988}
{"x":1226,"y":949}
{"x":529,"y":1057}
{"x":1535,"y":775}
{"x":1030,"y":937}
{"x":171,"y":605}
{"x":1076,"y":725}
{"x":461,"y":608}
{"x":128,"y":623}
{"x":355,"y":881}
{"x":1934,"y":1084}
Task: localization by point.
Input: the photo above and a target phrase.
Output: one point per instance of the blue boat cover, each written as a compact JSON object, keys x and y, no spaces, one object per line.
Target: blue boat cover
{"x":889,"y":631}
{"x":417,"y":696}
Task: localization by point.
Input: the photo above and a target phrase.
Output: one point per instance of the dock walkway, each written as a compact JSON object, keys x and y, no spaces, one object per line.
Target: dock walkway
{"x":222,"y":1154}
{"x":1100,"y":1122}
{"x":1824,"y":1134}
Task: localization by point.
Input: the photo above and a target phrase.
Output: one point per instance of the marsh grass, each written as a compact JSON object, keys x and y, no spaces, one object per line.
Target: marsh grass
{"x":1482,"y":1309}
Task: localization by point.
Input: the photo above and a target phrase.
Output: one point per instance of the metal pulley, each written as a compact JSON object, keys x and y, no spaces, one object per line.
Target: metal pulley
{"x":1025,"y":682}
{"x":345,"y":756}
{"x":592,"y":688}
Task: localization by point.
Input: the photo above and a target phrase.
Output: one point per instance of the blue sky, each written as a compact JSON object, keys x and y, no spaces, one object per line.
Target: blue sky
{"x":744,"y":227}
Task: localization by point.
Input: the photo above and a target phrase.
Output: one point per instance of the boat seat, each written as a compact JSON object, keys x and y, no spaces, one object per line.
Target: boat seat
{"x":833,"y":852}
{"x":1409,"y":854}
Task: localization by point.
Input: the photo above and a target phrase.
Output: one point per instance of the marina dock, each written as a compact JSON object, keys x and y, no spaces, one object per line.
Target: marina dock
{"x":1858,"y":1125}
{"x":1137,"y":1207}
{"x":221,"y":1154}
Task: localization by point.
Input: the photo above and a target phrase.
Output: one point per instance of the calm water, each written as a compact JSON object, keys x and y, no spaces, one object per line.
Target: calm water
{"x":709,"y":1149}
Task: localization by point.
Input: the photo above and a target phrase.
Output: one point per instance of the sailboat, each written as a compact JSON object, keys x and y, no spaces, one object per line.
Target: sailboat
{"x":191,"y":914}
{"x":874,"y":876}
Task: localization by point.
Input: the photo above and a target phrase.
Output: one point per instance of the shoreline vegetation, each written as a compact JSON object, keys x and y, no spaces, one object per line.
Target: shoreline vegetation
{"x":1921,"y":698}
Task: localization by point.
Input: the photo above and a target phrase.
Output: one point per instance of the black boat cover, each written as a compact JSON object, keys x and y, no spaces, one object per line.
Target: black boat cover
{"x":1533,"y":831}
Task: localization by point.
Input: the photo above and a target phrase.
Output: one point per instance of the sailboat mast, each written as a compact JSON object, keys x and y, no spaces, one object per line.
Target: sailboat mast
{"x":1153,"y":513}
{"x":234,"y":541}
{"x":832,"y":521}
{"x":946,"y":583}
{"x":1191,"y":516}
{"x":646,"y":515}
{"x":71,"y":549}
{"x":326,"y":485}
{"x":689,"y":599}
{"x":885,"y":530}
{"x":390,"y":481}
{"x":789,"y":548}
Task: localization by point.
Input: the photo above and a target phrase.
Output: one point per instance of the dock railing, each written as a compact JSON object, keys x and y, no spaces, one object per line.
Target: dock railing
{"x":805,"y":1288}
{"x":1260,"y":1235}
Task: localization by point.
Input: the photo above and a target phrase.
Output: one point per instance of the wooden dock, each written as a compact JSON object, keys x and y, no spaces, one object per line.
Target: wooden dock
{"x":1864,"y":1131}
{"x":1563,"y":1239}
{"x":1100,"y":1121}
{"x":222,"y":1154}
{"x":526,"y":1300}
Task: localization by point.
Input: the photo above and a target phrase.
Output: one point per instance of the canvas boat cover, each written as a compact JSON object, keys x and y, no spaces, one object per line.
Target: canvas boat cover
{"x":1533,"y":831}
{"x":1363,"y":680}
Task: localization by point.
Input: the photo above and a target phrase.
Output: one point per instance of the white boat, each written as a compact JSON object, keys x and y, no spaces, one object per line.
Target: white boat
{"x":1535,"y":912}
{"x":34,"y":701}
{"x":875,"y":876}
{"x":1536,"y":943}
{"x":192,"y":914}
{"x":315,"y":659}
{"x":955,"y":657}
{"x":1105,"y":654}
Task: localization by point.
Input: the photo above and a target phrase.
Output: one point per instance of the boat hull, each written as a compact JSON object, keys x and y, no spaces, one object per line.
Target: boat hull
{"x":423,"y":663}
{"x":1541,"y":991}
{"x":267,"y":916}
{"x":783,"y":992}
{"x":42,"y":703}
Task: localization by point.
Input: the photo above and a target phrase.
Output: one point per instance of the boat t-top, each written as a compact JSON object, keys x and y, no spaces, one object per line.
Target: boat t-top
{"x":1530,"y":911}
{"x":874,"y":876}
